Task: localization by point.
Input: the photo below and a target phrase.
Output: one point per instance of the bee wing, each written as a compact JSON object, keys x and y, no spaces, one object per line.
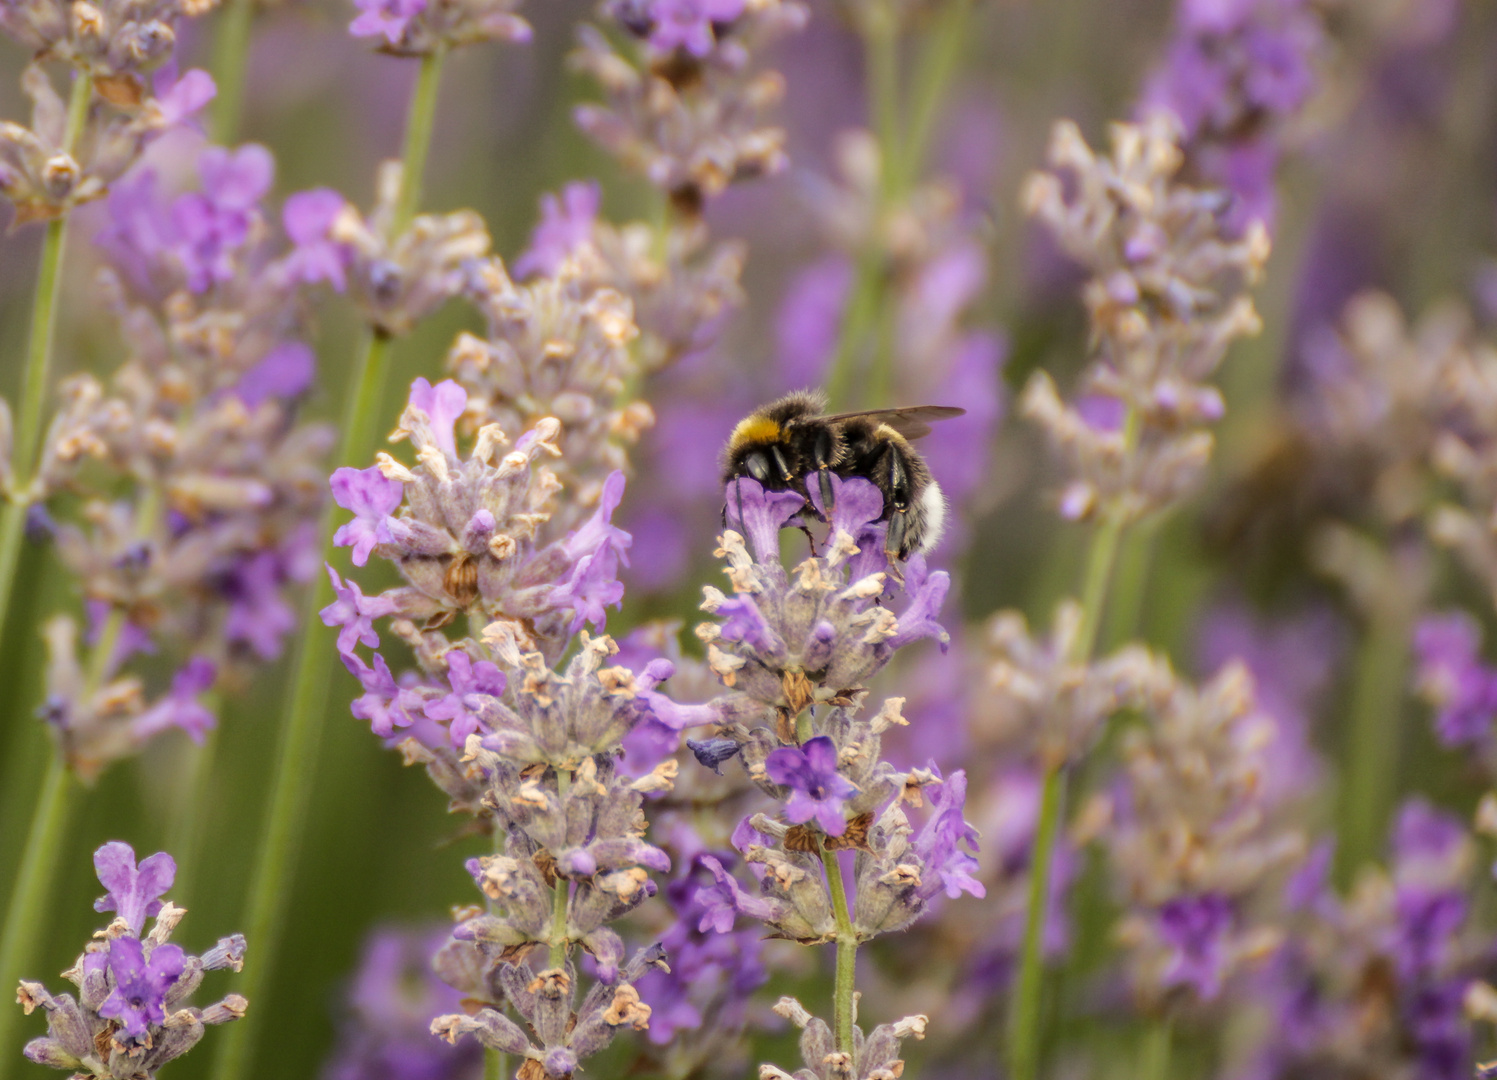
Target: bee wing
{"x":911,"y":422}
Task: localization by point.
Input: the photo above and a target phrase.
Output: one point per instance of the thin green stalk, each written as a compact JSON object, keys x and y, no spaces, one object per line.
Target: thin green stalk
{"x":495,"y":1064}
{"x":862,"y":307}
{"x":1131,"y":579}
{"x":847,"y":954}
{"x":934,"y":71}
{"x":25,"y":919}
{"x":1024,"y":1027}
{"x":881,"y":46}
{"x":191,"y":812}
{"x":44,"y":313}
{"x":1373,"y":739}
{"x":1155,"y":1049}
{"x":421,"y":120}
{"x":562,"y":890}
{"x":297,"y":746}
{"x":231,"y":46}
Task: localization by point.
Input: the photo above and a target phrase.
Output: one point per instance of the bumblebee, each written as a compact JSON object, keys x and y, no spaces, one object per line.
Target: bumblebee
{"x":785,"y":443}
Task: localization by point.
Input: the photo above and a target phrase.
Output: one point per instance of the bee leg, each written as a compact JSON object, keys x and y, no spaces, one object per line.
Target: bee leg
{"x":822,"y":451}
{"x":738,"y":493}
{"x":894,"y":538}
{"x":810,"y":538}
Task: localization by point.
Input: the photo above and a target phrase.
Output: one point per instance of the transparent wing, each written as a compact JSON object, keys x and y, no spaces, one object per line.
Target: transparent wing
{"x":912,"y":422}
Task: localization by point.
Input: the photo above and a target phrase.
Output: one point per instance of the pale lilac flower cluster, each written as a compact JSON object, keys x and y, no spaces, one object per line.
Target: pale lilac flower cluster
{"x":395,"y":279}
{"x":1195,"y":844}
{"x":1383,"y":981}
{"x":48,"y":168}
{"x":795,"y":649}
{"x":113,"y":46}
{"x":420,"y":27}
{"x":130,"y":1015}
{"x":688,"y":111}
{"x":1166,"y":299}
{"x":1236,"y":75}
{"x":200,"y":485}
{"x":556,"y":346}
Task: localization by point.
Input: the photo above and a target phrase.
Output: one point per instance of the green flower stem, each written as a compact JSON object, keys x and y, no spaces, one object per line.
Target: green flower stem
{"x":494,"y":1064}
{"x":297,"y":746}
{"x":191,"y":811}
{"x":421,"y":120}
{"x":26,"y":921}
{"x":1024,"y":1024}
{"x":1154,"y":1049}
{"x":301,"y":734}
{"x":231,"y":46}
{"x":1374,"y":738}
{"x":938,"y":63}
{"x":1024,"y":1027}
{"x":44,"y":312}
{"x":563,"y":887}
{"x":847,"y":954}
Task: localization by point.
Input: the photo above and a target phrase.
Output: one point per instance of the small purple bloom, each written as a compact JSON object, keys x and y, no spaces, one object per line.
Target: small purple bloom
{"x":138,"y":999}
{"x":180,"y":708}
{"x":308,"y":218}
{"x":1195,"y":928}
{"x":1451,"y":674}
{"x":947,"y":844}
{"x":759,"y":515}
{"x":258,"y":612}
{"x":135,"y":893}
{"x":595,"y":550}
{"x":687,"y":24}
{"x":810,"y":771}
{"x":285,"y":373}
{"x":387,"y":17}
{"x":182,"y":99}
{"x":213,"y":224}
{"x":379,"y":703}
{"x":354,"y":613}
{"x":566,"y":224}
{"x":443,"y":404}
{"x":467,"y":679}
{"x":721,"y":901}
{"x":372,"y":498}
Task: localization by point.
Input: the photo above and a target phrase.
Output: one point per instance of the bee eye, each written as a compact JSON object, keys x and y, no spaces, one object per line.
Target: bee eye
{"x":758,"y":466}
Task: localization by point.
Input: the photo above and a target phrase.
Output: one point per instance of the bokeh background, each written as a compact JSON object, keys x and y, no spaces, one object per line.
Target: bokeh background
{"x":1388,"y":180}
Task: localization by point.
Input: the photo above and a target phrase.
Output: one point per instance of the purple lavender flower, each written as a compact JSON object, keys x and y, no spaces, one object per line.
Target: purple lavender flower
{"x":308,"y":217}
{"x":130,"y":1016}
{"x":566,"y":224}
{"x":688,"y":24}
{"x":134,"y":892}
{"x":354,"y":613}
{"x":1453,"y":678}
{"x":138,"y":999}
{"x":818,"y":788}
{"x":466,"y":679}
{"x":385,"y":17}
{"x":180,"y":707}
{"x":1195,"y":930}
{"x":948,"y":842}
{"x":372,"y":498}
{"x":214,"y":224}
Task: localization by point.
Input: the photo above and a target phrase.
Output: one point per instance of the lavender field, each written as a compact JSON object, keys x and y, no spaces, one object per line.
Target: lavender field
{"x":688,"y":539}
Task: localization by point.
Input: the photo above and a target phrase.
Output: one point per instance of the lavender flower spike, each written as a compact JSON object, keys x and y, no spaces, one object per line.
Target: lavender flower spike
{"x":130,"y":1016}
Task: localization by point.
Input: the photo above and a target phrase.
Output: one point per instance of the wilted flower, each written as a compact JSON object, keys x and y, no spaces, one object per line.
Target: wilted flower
{"x":418,"y":27}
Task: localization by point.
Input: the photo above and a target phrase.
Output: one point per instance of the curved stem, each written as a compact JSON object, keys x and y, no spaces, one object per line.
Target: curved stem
{"x":26,"y":921}
{"x":231,"y":46}
{"x":843,"y":995}
{"x":44,"y":313}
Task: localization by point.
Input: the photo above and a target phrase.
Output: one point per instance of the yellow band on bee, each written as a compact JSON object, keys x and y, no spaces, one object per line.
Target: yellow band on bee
{"x":755,"y":429}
